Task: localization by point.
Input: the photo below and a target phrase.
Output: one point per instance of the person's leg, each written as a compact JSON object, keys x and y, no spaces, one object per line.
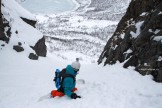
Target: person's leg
{"x":55,"y":93}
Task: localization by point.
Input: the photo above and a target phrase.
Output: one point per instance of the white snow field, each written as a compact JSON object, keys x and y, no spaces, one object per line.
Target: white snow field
{"x":23,"y":81}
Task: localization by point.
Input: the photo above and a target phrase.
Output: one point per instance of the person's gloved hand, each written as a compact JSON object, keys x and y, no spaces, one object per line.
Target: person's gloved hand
{"x":74,"y":96}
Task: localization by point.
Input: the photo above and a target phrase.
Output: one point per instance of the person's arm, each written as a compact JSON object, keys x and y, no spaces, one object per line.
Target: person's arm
{"x":68,"y":86}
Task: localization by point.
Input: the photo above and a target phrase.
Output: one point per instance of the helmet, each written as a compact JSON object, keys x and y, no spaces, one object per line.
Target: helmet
{"x":75,"y":65}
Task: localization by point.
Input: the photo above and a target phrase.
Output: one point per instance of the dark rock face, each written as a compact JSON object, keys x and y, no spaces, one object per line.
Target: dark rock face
{"x":30,"y":22}
{"x":40,"y":48}
{"x":2,"y":35}
{"x":33,"y":56}
{"x":138,"y":39}
{"x":4,"y":24}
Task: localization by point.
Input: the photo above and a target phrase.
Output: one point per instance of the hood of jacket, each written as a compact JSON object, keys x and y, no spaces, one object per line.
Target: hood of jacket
{"x":70,"y":70}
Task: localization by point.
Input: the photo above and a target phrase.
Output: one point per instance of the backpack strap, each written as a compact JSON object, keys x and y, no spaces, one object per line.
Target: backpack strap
{"x":64,"y":75}
{"x":68,"y":75}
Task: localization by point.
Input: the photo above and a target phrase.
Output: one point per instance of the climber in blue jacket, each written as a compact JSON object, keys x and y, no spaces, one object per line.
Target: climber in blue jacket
{"x":68,"y":81}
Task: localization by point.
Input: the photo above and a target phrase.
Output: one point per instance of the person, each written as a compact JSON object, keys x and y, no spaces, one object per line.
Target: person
{"x":68,"y":82}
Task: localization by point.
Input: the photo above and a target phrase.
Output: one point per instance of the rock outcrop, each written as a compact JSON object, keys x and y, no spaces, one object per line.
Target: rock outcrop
{"x":107,"y":9}
{"x":2,"y":35}
{"x":33,"y":56}
{"x":30,"y":22}
{"x":18,"y":47}
{"x":5,"y":29}
{"x":138,"y":39}
{"x":40,"y":48}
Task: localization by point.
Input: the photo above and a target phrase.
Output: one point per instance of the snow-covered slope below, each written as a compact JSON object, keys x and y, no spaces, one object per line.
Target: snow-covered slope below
{"x":75,"y":33}
{"x":83,"y":30}
{"x":23,"y":82}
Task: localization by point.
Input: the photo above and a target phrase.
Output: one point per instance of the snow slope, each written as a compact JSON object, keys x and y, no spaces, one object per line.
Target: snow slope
{"x":84,"y":30}
{"x":27,"y":35}
{"x":23,"y":82}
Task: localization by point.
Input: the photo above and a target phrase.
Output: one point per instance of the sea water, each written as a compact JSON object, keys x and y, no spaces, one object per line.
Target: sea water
{"x":48,"y":6}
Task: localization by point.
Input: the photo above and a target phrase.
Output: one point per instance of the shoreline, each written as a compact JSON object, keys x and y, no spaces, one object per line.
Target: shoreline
{"x":68,"y":11}
{"x":76,"y":3}
{"x":73,"y":9}
{"x":65,"y":12}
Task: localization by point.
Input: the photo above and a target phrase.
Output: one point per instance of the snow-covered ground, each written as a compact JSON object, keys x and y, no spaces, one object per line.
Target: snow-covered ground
{"x":23,"y":81}
{"x":74,"y":31}
{"x":77,"y":31}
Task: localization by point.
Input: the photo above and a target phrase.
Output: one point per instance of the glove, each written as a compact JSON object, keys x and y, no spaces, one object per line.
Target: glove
{"x":74,"y":96}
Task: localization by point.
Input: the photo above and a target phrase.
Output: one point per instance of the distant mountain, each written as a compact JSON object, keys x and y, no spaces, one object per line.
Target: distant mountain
{"x":137,"y":40}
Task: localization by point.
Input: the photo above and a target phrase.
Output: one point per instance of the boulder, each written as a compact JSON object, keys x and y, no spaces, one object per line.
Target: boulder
{"x":33,"y":56}
{"x":40,"y":47}
{"x":18,"y":48}
{"x":28,"y":21}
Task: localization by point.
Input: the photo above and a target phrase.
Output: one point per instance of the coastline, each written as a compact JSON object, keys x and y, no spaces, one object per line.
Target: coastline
{"x":65,"y":12}
{"x":75,"y":6}
{"x":73,"y":10}
{"x":76,"y":3}
{"x":69,"y":11}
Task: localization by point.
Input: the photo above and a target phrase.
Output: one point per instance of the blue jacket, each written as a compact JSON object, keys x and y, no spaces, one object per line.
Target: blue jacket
{"x":68,"y":83}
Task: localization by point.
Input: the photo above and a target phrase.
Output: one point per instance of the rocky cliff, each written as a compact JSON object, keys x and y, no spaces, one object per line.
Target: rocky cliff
{"x":2,"y":35}
{"x":5,"y":29}
{"x":137,"y":40}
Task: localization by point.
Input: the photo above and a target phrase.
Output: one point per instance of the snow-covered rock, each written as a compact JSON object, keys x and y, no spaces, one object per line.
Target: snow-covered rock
{"x":21,"y":31}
